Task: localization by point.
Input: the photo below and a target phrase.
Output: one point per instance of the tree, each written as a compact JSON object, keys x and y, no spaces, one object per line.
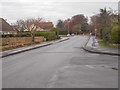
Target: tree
{"x":107,"y":24}
{"x":79,"y":22}
{"x":114,"y":36}
{"x":32,"y":28}
{"x":104,"y":23}
{"x":84,"y":26}
{"x":60,"y":24}
{"x":28,"y":24}
{"x":56,"y":30}
{"x":67,"y":25}
{"x":76,"y":23}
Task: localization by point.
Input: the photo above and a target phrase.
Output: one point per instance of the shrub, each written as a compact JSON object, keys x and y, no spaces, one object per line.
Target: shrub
{"x":56,"y":30}
{"x":23,"y":35}
{"x":114,"y":36}
{"x":49,"y":35}
{"x":63,"y":32}
{"x":16,"y":35}
{"x":7,"y":35}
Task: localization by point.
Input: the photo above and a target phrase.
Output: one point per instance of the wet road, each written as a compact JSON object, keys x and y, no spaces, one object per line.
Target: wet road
{"x":62,"y":65}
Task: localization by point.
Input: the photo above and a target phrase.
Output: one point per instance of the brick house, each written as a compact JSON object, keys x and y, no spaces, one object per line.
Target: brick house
{"x":45,"y":25}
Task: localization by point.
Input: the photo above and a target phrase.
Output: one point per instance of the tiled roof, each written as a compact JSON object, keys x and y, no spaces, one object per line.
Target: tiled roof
{"x":4,"y":26}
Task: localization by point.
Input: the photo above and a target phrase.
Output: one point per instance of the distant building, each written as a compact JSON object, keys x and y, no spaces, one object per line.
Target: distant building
{"x":45,"y":25}
{"x":41,"y":26}
{"x":5,"y":28}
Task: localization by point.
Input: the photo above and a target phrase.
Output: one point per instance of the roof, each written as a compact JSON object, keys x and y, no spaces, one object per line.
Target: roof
{"x":4,"y":26}
{"x":45,"y":25}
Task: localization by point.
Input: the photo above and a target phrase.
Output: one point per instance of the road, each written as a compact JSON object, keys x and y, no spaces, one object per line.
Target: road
{"x":60,"y":65}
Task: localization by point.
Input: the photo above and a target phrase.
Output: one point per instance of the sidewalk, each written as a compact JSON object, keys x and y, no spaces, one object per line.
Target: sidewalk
{"x":31,"y":47}
{"x":93,"y":47}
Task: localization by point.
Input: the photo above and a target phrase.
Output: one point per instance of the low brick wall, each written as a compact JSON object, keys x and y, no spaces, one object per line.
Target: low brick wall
{"x":39,"y":39}
{"x":19,"y":41}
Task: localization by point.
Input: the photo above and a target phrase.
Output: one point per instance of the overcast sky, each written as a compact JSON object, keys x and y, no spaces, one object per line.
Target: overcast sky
{"x":53,"y":10}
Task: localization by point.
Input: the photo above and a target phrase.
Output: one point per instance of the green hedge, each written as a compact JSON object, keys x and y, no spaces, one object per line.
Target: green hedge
{"x":63,"y":32}
{"x":114,"y":36}
{"x":15,"y":35}
{"x":49,"y":35}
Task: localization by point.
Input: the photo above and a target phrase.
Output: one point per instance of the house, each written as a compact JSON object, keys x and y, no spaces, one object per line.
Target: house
{"x":45,"y":25}
{"x":42,"y":26}
{"x":5,"y":28}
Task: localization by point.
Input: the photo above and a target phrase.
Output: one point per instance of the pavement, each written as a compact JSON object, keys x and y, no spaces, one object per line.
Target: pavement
{"x":60,"y":65}
{"x":31,"y":47}
{"x":93,"y":47}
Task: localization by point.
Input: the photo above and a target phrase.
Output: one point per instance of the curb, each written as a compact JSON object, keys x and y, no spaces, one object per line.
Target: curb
{"x":88,"y":49}
{"x":62,"y":40}
{"x":25,"y":50}
{"x":98,"y":52}
{"x":28,"y":49}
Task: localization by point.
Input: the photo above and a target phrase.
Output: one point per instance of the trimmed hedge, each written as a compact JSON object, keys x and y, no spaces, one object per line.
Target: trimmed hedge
{"x":15,"y":35}
{"x":63,"y":32}
{"x":49,"y":35}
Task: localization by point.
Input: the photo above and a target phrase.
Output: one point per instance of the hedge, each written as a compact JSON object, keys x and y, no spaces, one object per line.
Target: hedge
{"x":49,"y":35}
{"x":63,"y":32}
{"x":15,"y":35}
{"x":114,"y":36}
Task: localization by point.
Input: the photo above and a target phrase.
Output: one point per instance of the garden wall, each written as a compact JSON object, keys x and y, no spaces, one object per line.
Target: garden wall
{"x":13,"y":42}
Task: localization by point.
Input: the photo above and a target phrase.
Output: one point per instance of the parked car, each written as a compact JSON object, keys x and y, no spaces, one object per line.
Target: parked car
{"x":73,"y":34}
{"x":68,"y":35}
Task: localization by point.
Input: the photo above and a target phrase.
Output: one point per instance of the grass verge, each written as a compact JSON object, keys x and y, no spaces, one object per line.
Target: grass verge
{"x":107,"y":44}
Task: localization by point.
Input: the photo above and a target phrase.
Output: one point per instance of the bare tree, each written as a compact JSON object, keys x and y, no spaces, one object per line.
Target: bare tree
{"x":29,"y":24}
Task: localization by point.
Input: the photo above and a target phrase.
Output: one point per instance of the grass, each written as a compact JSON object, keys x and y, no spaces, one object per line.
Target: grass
{"x":103,"y":43}
{"x":107,"y":44}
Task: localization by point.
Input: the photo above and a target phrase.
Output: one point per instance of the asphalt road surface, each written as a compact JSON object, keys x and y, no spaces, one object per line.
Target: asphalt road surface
{"x":61,"y":65}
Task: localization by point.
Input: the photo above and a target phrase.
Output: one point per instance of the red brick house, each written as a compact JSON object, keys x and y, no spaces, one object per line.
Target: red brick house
{"x":45,"y":25}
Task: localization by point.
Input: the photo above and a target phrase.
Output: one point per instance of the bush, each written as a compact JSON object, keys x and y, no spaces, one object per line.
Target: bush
{"x":16,"y":35}
{"x":114,"y":36}
{"x":7,"y":35}
{"x":49,"y":35}
{"x":56,"y":30}
{"x":23,"y":35}
{"x":63,"y":32}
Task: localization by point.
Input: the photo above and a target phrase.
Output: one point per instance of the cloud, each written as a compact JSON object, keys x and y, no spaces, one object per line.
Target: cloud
{"x":52,"y":11}
{"x":59,"y":1}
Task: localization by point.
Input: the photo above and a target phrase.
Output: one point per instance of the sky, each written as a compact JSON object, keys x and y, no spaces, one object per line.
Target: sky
{"x":51,"y":10}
